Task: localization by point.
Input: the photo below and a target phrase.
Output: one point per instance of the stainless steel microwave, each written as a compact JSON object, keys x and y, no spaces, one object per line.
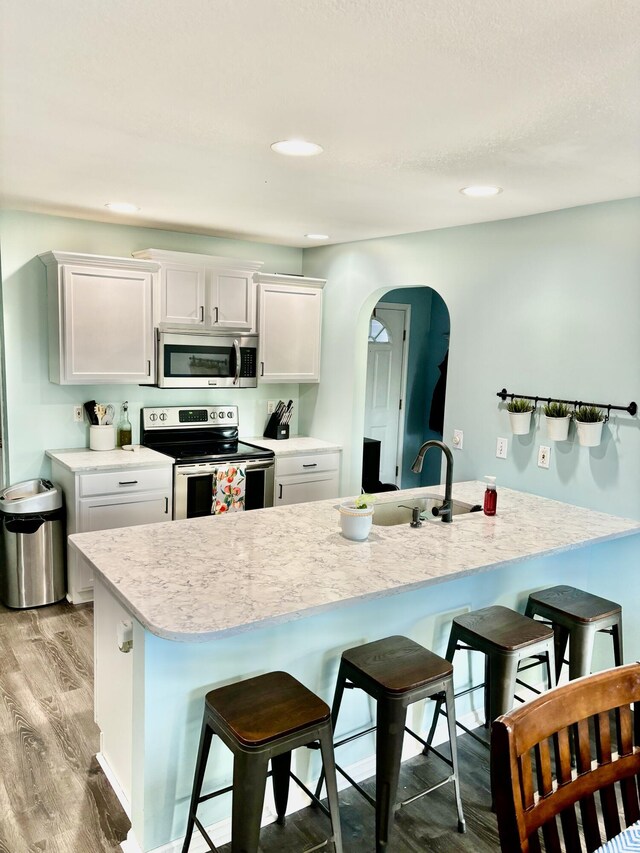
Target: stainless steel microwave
{"x":206,"y":360}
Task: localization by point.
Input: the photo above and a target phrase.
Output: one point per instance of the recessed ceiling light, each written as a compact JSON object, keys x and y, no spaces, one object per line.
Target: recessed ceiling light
{"x":122,"y":207}
{"x":297,"y":148}
{"x":480,"y":191}
{"x":317,"y":236}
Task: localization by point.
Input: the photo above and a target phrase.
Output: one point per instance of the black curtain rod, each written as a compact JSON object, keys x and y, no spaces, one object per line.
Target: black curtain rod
{"x":632,"y":408}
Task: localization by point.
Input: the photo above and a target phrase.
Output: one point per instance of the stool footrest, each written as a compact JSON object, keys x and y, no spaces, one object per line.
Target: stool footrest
{"x":427,"y":791}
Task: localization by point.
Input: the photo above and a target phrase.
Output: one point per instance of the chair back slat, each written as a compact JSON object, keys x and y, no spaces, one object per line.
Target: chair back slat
{"x":533,"y":780}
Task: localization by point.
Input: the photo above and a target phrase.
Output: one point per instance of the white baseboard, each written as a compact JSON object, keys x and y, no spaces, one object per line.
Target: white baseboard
{"x":220,"y":832}
{"x":113,"y":781}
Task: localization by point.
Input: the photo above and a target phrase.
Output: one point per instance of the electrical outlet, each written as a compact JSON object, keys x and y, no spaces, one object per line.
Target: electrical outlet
{"x":544,"y":454}
{"x":271,"y":404}
{"x":501,"y":448}
{"x":78,"y":414}
{"x":458,"y":439}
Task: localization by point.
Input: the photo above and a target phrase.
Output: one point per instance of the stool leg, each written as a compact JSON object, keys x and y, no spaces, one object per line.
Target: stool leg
{"x":329,"y":768}
{"x":488,"y":719}
{"x":581,"y":639}
{"x":451,"y":650}
{"x":616,"y":634}
{"x":281,"y":767}
{"x":502,"y":684}
{"x":201,"y":765}
{"x":392,"y":715}
{"x":451,"y":723}
{"x":249,"y":782}
{"x":560,"y":637}
{"x":335,"y":708}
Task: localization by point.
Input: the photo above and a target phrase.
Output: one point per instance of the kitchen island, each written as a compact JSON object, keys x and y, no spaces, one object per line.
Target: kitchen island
{"x":212,"y":600}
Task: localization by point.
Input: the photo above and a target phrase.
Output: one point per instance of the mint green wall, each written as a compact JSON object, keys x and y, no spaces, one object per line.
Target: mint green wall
{"x":39,"y":413}
{"x":545,"y":304}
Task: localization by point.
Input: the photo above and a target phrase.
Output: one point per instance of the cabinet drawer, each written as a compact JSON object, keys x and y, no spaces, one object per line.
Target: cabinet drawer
{"x":127,"y":480}
{"x":312,"y":463}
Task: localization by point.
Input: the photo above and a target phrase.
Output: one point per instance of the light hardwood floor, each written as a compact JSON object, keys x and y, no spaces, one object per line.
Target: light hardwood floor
{"x":55,"y":798}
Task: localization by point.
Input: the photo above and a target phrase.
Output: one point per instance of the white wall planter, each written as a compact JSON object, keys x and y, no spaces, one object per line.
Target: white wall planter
{"x":520,"y":422}
{"x":558,"y":428}
{"x":355,"y":523}
{"x":589,"y":434}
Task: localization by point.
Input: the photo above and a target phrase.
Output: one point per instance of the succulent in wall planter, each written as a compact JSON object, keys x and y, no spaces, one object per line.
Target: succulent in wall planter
{"x":356,"y":517}
{"x":557,"y":418}
{"x":589,"y":422}
{"x":520,"y":412}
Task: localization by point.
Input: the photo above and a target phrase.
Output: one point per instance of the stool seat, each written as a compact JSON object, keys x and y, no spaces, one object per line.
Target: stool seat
{"x":581,"y":606}
{"x":285,"y":707}
{"x":500,"y":628}
{"x":397,"y":664}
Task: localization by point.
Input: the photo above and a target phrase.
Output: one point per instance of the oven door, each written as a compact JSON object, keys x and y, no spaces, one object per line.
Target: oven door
{"x":187,"y":360}
{"x":193,"y":486}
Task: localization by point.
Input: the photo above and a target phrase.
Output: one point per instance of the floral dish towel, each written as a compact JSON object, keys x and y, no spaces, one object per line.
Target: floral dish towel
{"x":228,"y":490}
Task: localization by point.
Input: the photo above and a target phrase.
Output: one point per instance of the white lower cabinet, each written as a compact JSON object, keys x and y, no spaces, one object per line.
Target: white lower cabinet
{"x":104,"y":500}
{"x":308,"y":477}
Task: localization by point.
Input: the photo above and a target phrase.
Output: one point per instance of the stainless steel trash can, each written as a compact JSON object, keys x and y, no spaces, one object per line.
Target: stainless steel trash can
{"x":32,"y":550}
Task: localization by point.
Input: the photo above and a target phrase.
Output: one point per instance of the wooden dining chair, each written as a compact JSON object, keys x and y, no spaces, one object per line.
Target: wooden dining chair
{"x":551,"y":756}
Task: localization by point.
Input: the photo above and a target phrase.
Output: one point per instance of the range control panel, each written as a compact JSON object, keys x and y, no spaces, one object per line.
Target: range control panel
{"x":194,"y":416}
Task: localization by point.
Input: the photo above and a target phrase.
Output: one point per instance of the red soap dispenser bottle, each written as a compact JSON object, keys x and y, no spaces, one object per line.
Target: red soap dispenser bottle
{"x":490,"y":496}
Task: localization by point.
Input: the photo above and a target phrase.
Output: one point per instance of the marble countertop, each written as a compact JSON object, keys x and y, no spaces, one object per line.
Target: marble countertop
{"x":82,"y":459}
{"x":294,"y":445}
{"x":196,"y":579}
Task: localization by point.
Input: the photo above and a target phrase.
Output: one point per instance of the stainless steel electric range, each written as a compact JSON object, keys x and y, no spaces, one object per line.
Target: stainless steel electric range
{"x":201,"y":439}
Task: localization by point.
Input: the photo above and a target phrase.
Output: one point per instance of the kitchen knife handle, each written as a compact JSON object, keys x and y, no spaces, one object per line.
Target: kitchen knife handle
{"x":127,"y":482}
{"x":280,"y":493}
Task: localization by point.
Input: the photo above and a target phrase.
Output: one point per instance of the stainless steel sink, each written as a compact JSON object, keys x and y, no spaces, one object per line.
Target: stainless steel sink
{"x":390,"y":513}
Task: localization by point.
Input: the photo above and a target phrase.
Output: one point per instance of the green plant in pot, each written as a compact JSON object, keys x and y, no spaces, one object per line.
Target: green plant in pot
{"x":589,"y":422}
{"x":520,"y":412}
{"x":557,"y":417}
{"x":356,"y":517}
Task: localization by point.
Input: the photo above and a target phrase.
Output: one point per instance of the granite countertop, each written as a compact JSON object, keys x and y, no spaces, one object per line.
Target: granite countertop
{"x":196,"y":579}
{"x":83,"y":460}
{"x":294,"y":445}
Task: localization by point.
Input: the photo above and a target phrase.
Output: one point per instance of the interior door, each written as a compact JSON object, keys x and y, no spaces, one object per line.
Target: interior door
{"x":384,"y":386}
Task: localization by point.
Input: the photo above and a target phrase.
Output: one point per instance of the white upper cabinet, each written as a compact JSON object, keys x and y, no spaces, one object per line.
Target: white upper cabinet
{"x":289,"y":327}
{"x":100,"y":319}
{"x":204,"y":291}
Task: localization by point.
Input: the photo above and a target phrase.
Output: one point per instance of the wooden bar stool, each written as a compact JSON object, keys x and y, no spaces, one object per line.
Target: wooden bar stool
{"x":262,"y":719}
{"x":396,"y":672}
{"x":577,"y":616}
{"x":506,"y":638}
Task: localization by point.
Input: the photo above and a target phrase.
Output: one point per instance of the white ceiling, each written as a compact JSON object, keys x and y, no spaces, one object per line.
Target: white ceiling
{"x":173,"y":106}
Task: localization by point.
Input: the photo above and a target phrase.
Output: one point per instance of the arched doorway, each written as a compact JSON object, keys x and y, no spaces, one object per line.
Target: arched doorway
{"x":407,"y":355}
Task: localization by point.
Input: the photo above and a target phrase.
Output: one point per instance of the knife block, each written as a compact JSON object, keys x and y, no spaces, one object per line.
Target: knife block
{"x":276,"y":430}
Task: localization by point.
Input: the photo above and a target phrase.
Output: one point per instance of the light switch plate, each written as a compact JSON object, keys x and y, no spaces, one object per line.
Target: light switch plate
{"x":78,"y":413}
{"x":501,"y":448}
{"x":544,"y":454}
{"x":458,"y":439}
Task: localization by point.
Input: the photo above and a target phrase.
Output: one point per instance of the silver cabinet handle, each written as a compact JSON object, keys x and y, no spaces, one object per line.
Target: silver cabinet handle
{"x":310,"y":465}
{"x":236,"y":347}
{"x":127,"y":482}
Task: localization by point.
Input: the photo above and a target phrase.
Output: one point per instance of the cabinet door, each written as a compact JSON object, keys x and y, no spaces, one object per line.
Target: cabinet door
{"x":306,"y":487}
{"x":124,"y":510}
{"x":182,"y":295}
{"x":232,"y":300}
{"x":289,"y":321}
{"x":107,"y":329}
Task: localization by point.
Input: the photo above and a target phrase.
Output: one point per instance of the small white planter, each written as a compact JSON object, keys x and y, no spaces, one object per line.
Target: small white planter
{"x":558,"y":428}
{"x":589,"y":434}
{"x":520,"y":422}
{"x":355,"y":523}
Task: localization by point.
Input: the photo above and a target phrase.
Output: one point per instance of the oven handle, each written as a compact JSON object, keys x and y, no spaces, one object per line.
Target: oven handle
{"x":210,"y":467}
{"x":236,"y":347}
